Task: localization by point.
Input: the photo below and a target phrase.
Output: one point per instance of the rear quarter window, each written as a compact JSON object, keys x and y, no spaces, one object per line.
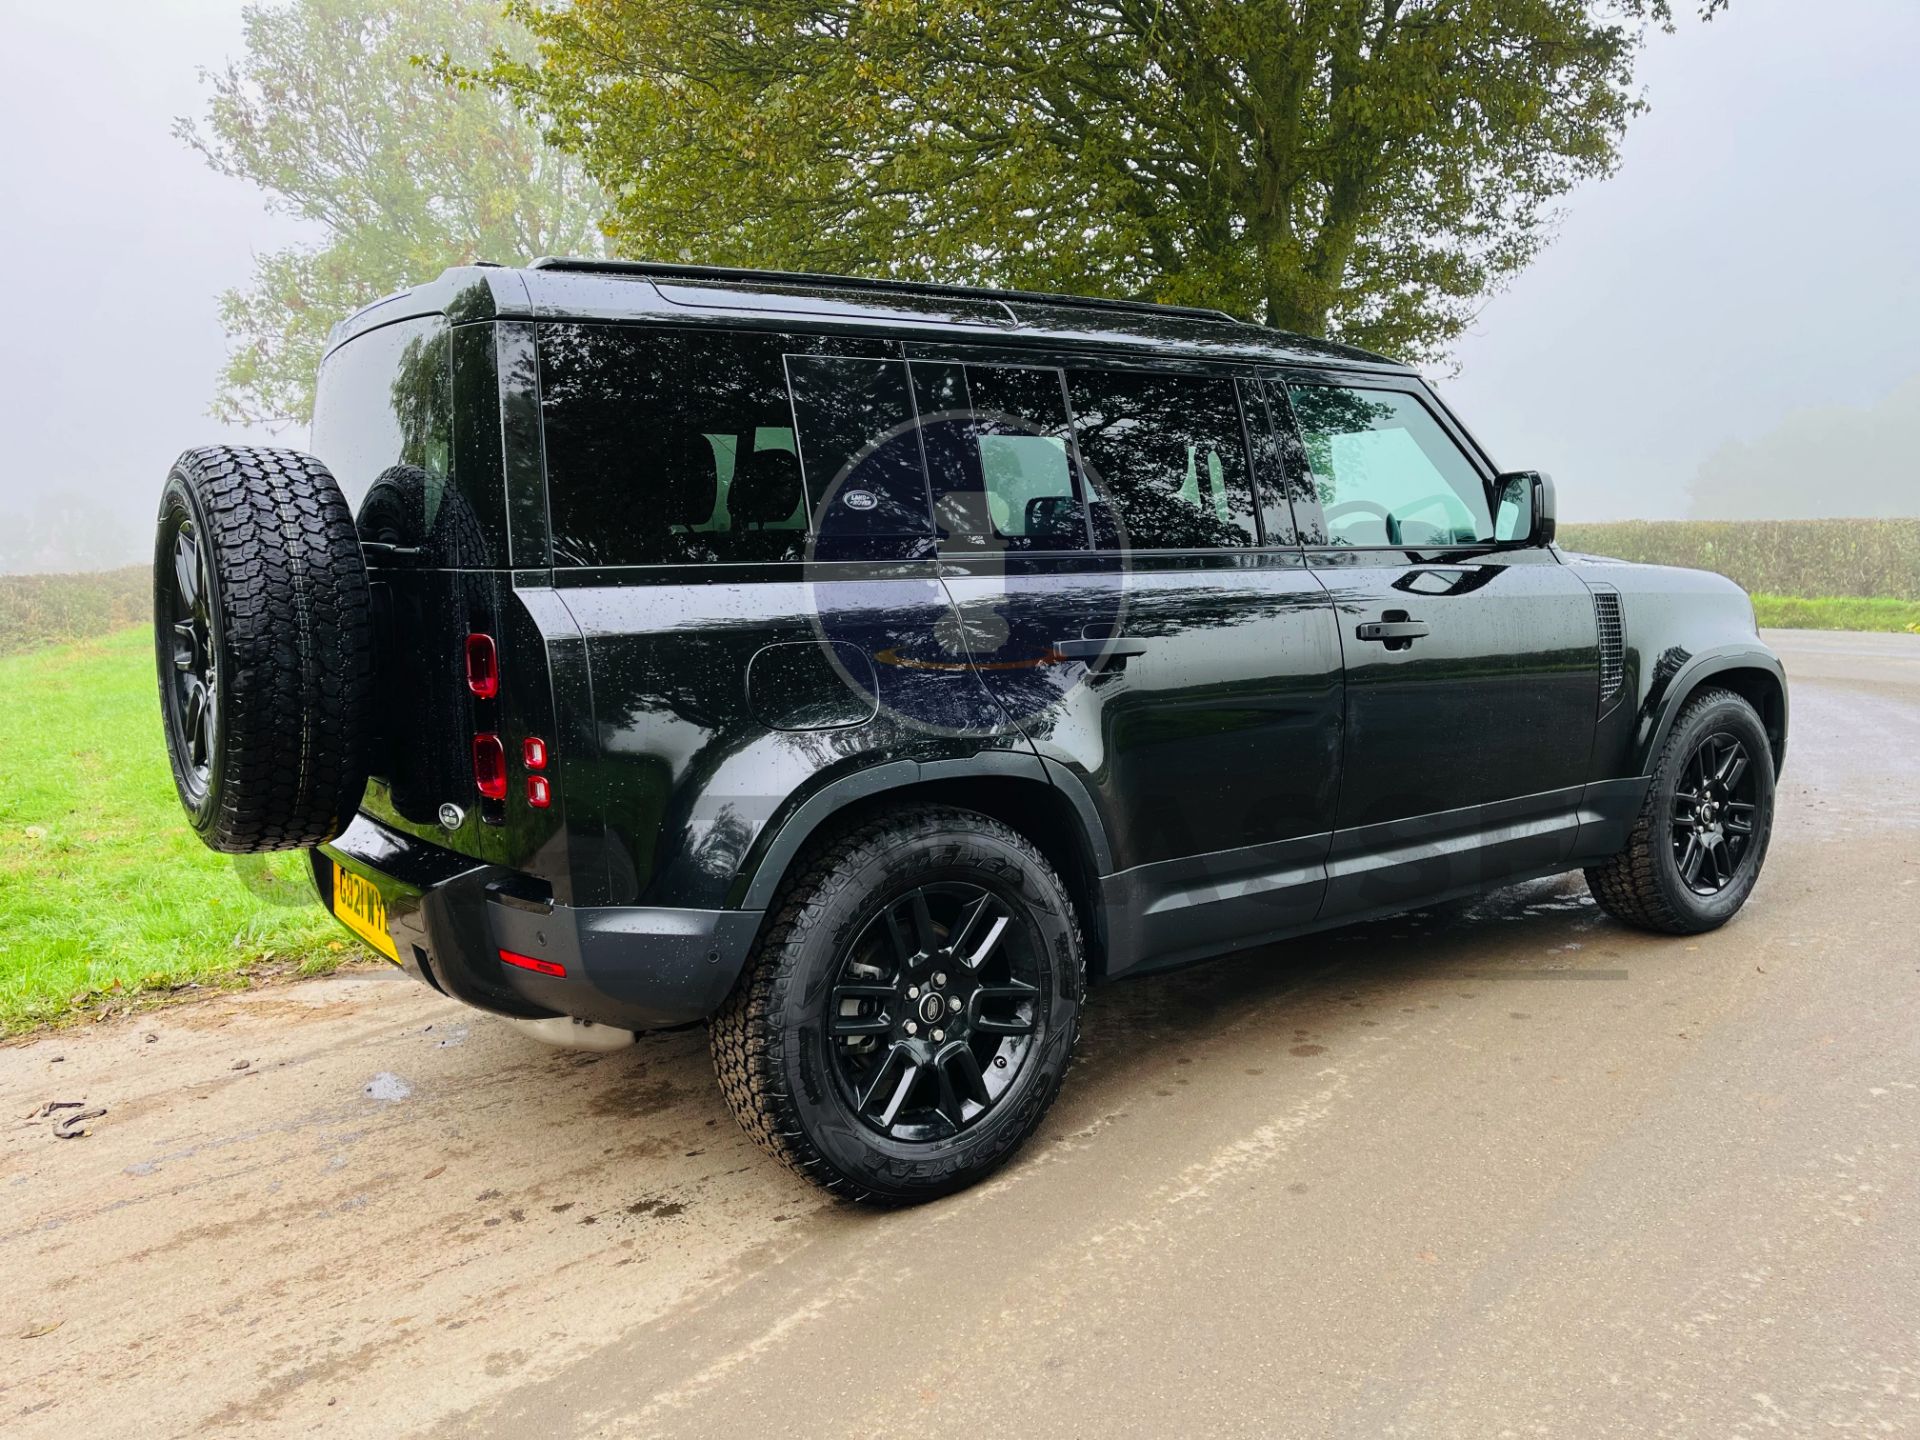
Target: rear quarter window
{"x":385,"y":400}
{"x":668,"y":447}
{"x":384,"y":425}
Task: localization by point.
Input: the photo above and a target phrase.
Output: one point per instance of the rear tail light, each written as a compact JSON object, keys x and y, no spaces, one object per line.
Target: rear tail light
{"x":489,"y":754}
{"x":483,"y":666}
{"x":490,"y":766}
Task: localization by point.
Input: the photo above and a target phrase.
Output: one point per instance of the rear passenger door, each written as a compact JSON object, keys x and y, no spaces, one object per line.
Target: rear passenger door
{"x":1470,"y":717}
{"x":1121,"y":556}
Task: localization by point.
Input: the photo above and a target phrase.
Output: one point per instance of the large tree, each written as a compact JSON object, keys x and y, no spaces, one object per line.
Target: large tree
{"x":1365,"y":168}
{"x":404,"y":170}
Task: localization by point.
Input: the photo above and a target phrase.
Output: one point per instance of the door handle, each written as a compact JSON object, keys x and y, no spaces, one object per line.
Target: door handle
{"x":1115,"y":648}
{"x":1390,"y":630}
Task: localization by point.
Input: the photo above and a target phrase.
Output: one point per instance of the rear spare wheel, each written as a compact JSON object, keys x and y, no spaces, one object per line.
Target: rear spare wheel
{"x":263,"y":640}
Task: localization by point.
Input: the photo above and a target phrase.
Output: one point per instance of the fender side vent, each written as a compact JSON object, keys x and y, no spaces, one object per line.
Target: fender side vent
{"x":1606,"y":615}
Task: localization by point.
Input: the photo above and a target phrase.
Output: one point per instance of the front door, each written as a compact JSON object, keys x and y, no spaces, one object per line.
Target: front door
{"x":1471,"y":665}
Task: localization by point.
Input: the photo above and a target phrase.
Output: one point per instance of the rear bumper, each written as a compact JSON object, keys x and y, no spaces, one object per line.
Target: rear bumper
{"x":637,"y":967}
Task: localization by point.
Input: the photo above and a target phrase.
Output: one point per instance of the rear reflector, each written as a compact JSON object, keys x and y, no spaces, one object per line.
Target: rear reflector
{"x":490,"y":766}
{"x":483,"y":666}
{"x":539,"y":792}
{"x":528,"y":962}
{"x":534,"y":751}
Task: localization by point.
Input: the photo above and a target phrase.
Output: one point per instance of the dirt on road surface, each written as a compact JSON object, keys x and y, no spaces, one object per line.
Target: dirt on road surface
{"x":1507,"y":1170}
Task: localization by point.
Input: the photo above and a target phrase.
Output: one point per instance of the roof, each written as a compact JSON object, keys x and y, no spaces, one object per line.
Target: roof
{"x":625,"y":290}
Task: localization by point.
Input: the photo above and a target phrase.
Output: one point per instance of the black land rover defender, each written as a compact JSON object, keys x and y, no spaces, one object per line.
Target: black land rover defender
{"x":861,"y":668}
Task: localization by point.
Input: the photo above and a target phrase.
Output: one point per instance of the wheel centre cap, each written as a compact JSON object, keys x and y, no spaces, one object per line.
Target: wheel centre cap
{"x":932,"y":1007}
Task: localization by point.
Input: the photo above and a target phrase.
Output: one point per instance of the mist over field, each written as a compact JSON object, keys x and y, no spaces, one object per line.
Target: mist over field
{"x":1821,"y":462}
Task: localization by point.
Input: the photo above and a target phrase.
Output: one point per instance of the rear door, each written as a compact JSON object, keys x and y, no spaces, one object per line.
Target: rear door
{"x":1471,"y":667}
{"x":1137,"y":605}
{"x":409,"y":418}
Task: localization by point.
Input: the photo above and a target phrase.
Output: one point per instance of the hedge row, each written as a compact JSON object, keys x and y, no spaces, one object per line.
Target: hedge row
{"x":1780,"y":557}
{"x":1777,"y":557}
{"x":38,"y":610}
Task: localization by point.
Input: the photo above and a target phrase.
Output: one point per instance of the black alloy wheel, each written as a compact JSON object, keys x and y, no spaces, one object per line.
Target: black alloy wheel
{"x":910,"y":1007}
{"x":1695,"y":850}
{"x":263,"y":646}
{"x":191,"y":698}
{"x":1713,"y":809}
{"x":932,"y":1015}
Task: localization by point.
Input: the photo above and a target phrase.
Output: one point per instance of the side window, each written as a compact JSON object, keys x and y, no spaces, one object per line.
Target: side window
{"x":995,"y":438}
{"x":1168,"y":453}
{"x":861,"y":457}
{"x":1386,"y":473}
{"x":385,"y":403}
{"x":669,"y":447}
{"x":387,"y":425}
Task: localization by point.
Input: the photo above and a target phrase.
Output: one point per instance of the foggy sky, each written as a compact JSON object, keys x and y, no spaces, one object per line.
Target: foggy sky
{"x":1753,"y":258}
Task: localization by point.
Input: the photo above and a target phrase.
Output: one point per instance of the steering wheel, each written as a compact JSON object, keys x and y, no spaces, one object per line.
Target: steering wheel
{"x":1365,"y":507}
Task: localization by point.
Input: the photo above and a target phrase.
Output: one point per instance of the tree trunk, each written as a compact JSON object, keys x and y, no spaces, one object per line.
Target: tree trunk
{"x":1295,"y":303}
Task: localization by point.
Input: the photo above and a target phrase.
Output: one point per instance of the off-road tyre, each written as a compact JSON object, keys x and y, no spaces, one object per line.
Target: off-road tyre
{"x":1643,"y":886}
{"x":768,"y":1038}
{"x":282,"y":644}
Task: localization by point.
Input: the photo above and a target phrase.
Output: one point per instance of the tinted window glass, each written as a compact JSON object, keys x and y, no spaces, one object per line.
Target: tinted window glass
{"x":996,"y":451}
{"x":385,"y":401}
{"x":1386,"y":473}
{"x":384,"y":424}
{"x":1168,"y":453}
{"x":668,"y":447}
{"x":860,"y":454}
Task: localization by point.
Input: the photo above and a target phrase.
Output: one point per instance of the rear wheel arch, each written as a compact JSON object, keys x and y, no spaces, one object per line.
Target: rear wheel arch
{"x":1019,"y":795}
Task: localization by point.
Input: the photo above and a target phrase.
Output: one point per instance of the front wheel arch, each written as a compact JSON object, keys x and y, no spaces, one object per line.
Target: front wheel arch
{"x":1754,"y":675}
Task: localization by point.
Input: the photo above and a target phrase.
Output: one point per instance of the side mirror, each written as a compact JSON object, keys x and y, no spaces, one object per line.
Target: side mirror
{"x":1524,"y":508}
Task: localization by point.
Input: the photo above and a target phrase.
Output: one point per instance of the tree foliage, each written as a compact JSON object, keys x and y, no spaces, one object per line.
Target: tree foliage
{"x":1366,"y":168}
{"x":404,"y":170}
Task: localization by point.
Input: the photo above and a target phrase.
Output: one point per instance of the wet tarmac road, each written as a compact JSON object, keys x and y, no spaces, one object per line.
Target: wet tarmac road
{"x":1506,"y":1170}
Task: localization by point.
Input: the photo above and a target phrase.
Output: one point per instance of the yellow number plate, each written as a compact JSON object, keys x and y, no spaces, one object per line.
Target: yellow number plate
{"x":359,"y":907}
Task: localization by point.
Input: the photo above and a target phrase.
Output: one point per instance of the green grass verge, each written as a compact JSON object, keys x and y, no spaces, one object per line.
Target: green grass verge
{"x":105,"y":893}
{"x":1794,"y":612}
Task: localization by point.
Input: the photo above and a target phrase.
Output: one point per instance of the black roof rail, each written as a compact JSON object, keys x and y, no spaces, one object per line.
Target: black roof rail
{"x":655,"y":269}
